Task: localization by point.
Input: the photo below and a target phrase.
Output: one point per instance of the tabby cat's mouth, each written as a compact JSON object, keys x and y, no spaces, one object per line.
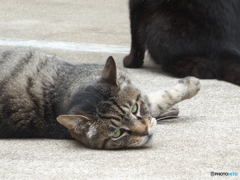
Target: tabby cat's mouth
{"x":152,"y":129}
{"x":148,"y":140}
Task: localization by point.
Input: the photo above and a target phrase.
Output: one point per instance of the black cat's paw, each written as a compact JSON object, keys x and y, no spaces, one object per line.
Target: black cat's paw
{"x":131,"y":61}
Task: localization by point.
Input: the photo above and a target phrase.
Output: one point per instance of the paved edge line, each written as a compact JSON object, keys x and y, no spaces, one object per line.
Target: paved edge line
{"x":64,"y":45}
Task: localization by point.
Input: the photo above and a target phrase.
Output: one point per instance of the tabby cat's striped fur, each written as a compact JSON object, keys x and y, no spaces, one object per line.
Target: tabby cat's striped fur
{"x":42,"y":96}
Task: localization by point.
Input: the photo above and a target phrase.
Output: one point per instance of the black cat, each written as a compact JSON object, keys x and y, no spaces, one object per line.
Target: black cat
{"x":198,"y":38}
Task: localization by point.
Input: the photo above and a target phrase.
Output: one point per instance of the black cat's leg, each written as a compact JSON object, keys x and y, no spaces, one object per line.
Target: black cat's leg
{"x":200,"y":67}
{"x":136,"y":56}
{"x":229,"y":68}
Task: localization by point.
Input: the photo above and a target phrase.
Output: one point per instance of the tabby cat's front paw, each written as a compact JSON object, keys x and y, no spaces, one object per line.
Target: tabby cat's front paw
{"x":190,"y":86}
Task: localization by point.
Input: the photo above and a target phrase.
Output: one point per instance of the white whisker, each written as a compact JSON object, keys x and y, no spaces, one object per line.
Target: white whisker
{"x":163,"y":116}
{"x":169,"y":112}
{"x":167,"y":117}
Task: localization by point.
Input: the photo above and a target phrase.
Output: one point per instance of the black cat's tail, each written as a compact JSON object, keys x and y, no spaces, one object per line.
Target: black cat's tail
{"x":229,"y":67}
{"x":199,"y":67}
{"x":224,"y":67}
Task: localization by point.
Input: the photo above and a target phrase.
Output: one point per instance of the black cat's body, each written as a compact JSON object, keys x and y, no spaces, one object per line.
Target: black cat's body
{"x":200,"y":38}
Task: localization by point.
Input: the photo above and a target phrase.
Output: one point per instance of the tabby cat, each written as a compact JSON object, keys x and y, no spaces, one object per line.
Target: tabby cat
{"x":198,"y":38}
{"x":42,"y":96}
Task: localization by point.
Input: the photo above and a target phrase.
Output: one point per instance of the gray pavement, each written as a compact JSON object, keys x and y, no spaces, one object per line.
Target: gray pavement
{"x":205,"y":137}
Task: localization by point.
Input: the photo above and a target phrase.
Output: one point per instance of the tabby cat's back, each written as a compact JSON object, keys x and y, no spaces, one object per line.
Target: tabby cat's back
{"x":34,"y":87}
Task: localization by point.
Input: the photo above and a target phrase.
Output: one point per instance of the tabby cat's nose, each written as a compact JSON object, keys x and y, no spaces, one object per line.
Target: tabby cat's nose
{"x":145,"y":132}
{"x":141,"y":131}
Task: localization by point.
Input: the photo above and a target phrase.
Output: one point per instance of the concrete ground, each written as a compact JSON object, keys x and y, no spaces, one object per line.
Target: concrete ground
{"x":205,"y":137}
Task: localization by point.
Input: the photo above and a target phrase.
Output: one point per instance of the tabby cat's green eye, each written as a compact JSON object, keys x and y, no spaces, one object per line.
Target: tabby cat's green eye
{"x":134,"y":109}
{"x":117,"y":134}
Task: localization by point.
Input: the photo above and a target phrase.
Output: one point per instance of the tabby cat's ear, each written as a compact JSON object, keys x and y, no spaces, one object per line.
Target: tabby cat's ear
{"x":73,"y":122}
{"x":109,"y":74}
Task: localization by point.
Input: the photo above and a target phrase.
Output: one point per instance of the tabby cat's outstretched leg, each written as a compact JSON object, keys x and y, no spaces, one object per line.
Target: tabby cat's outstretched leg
{"x":136,"y":56}
{"x":160,"y":102}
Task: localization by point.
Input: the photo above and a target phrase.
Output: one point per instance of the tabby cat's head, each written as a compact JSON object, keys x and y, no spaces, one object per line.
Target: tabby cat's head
{"x":110,"y":114}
